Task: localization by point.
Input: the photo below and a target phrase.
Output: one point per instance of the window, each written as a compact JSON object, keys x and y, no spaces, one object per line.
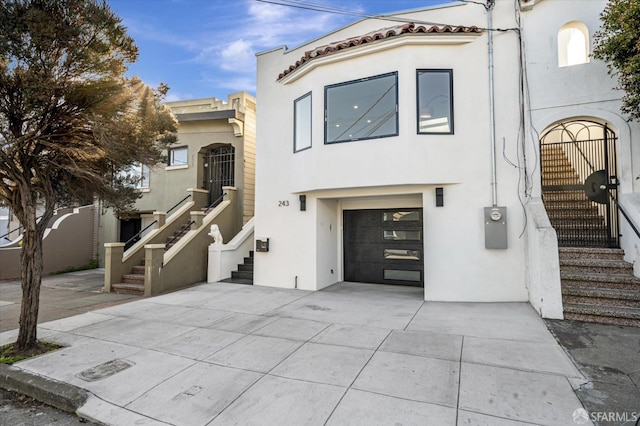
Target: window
{"x":435,"y":101}
{"x":143,"y":172}
{"x":178,"y":156}
{"x":302,"y":123}
{"x":573,"y":44}
{"x":137,"y":176}
{"x":362,"y":109}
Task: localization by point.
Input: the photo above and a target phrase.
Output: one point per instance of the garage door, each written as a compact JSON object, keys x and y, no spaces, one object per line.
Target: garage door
{"x":384,"y":246}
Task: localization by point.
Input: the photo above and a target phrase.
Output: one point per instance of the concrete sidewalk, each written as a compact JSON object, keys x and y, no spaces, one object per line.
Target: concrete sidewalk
{"x":61,"y":296}
{"x":365,"y":354}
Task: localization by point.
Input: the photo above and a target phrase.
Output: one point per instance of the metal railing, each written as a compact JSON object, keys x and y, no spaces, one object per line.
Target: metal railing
{"x":18,"y":229}
{"x":626,"y":216}
{"x":215,"y":202}
{"x":131,"y":241}
{"x":183,"y":230}
{"x":178,"y":203}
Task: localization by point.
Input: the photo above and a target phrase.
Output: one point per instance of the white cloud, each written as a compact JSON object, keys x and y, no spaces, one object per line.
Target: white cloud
{"x":238,"y":56}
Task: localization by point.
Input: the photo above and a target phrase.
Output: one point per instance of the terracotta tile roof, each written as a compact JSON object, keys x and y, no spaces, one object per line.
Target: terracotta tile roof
{"x":384,"y":33}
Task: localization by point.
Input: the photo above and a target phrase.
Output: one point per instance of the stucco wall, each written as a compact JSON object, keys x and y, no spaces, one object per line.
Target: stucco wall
{"x":385,"y":171}
{"x":68,"y":243}
{"x":167,"y":184}
{"x":584,"y":91}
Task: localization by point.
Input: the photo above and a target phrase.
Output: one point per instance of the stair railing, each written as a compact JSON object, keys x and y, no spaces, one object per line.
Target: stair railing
{"x":186,"y":227}
{"x":178,"y":203}
{"x":131,"y":241}
{"x":18,"y":229}
{"x":626,"y":216}
{"x":180,"y":233}
{"x":216,"y":202}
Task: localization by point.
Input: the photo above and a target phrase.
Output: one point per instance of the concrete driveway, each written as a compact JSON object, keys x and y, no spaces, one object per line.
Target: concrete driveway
{"x":356,"y":354}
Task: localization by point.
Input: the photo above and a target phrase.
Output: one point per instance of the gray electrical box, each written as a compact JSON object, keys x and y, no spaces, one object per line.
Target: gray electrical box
{"x":495,"y":227}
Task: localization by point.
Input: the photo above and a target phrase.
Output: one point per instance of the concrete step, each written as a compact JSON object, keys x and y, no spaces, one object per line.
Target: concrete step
{"x":602,"y":314}
{"x":591,"y":253}
{"x":566,"y":215}
{"x":591,"y":280}
{"x":581,"y":223}
{"x":133,"y":279}
{"x":558,"y":180}
{"x":126,"y":288}
{"x":568,"y":204}
{"x":559,"y":170}
{"x":238,"y":281}
{"x":247,"y":267}
{"x":601,"y":297}
{"x":138,"y":270}
{"x":248,"y":275}
{"x":603,"y":266}
{"x":564,"y":195}
{"x":575,"y":228}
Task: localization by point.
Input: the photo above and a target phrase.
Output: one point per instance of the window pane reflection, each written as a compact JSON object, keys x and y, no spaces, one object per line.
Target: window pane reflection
{"x":401,"y":235}
{"x":402,"y":254}
{"x":401,"y":216}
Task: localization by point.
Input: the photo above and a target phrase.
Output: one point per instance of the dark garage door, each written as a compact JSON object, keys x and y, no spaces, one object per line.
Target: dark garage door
{"x":384,"y":246}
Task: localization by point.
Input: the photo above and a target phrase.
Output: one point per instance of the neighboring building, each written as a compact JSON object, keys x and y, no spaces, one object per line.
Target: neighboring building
{"x":4,"y":226}
{"x":215,"y":149}
{"x":384,"y":156}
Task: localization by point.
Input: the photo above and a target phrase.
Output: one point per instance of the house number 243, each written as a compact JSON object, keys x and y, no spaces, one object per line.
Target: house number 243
{"x":283,"y":203}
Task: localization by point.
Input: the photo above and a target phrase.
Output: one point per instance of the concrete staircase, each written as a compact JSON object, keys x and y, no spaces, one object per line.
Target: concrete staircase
{"x":132,"y":283}
{"x":173,"y":240}
{"x":575,"y":218}
{"x":244,"y":274}
{"x":599,"y":286}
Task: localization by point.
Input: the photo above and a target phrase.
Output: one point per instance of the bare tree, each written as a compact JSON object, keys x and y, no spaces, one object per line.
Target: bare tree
{"x":70,"y":121}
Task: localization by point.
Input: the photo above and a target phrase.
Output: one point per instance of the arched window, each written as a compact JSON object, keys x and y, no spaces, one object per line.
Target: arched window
{"x":573,"y":44}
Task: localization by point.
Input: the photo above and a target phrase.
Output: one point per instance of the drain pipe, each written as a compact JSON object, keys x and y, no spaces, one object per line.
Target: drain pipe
{"x":492,"y":118}
{"x":495,"y":218}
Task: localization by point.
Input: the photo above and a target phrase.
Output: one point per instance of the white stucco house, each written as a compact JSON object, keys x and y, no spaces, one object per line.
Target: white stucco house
{"x":408,"y":150}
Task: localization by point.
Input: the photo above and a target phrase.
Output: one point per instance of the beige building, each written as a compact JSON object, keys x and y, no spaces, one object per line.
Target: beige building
{"x":204,"y":192}
{"x":215,"y":148}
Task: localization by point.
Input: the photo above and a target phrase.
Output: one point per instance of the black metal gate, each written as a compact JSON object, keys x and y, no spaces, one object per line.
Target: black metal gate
{"x":580,"y":184}
{"x":219,"y":166}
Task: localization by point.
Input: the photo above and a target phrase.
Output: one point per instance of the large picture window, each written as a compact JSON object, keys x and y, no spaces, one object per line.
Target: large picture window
{"x":435,"y":101}
{"x":362,"y":109}
{"x":302,"y":123}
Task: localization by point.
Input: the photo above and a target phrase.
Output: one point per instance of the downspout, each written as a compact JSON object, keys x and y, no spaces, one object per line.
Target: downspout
{"x":492,"y":119}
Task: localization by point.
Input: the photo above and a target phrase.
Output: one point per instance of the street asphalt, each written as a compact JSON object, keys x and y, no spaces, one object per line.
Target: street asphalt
{"x":351,"y":354}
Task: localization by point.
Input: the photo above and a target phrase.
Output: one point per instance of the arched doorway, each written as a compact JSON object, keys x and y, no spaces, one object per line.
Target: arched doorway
{"x":580,"y":183}
{"x":219,"y":164}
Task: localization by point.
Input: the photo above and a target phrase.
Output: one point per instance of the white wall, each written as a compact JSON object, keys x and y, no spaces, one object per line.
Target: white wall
{"x":457,"y":266}
{"x":580,"y":91}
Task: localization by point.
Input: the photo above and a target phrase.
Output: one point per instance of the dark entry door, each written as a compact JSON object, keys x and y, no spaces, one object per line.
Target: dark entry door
{"x":218,"y":171}
{"x":128,"y":229}
{"x":384,"y":246}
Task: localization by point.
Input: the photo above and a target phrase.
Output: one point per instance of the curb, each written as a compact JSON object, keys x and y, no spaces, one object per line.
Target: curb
{"x":57,"y":394}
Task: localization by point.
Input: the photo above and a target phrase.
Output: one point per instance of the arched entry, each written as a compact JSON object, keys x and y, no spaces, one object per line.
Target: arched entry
{"x":580,"y":184}
{"x":219,"y":164}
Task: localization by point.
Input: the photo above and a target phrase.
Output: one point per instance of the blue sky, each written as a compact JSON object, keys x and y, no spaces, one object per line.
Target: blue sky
{"x":204,"y":48}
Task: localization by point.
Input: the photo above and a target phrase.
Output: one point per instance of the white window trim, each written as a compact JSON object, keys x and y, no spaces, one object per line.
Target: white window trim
{"x":180,"y":167}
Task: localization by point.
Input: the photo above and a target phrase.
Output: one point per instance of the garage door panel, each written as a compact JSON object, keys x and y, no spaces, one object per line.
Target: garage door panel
{"x":384,"y":246}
